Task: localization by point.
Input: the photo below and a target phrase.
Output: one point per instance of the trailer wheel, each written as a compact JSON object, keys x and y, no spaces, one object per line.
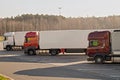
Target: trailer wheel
{"x":8,"y":48}
{"x":54,"y":52}
{"x":31,"y":52}
{"x":99,"y":60}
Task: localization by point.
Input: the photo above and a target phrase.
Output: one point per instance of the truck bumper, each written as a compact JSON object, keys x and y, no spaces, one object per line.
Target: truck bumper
{"x":90,"y":59}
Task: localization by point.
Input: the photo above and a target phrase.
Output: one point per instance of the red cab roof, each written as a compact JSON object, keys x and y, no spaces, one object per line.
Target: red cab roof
{"x":31,"y":34}
{"x":98,"y":35}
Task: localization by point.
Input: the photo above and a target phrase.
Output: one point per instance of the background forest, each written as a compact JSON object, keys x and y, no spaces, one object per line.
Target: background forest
{"x":30,"y":22}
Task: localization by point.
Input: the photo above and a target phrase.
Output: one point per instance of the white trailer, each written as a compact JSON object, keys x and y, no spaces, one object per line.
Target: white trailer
{"x":115,"y":46}
{"x":67,"y":39}
{"x":13,"y":40}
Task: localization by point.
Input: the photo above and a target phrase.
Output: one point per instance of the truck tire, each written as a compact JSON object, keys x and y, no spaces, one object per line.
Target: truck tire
{"x":99,"y":60}
{"x":8,"y":48}
{"x":31,"y":52}
{"x":54,"y":52}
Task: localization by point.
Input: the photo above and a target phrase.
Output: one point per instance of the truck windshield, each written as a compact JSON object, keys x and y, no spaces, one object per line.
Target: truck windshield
{"x":93,"y":43}
{"x":30,"y":39}
{"x":27,"y":39}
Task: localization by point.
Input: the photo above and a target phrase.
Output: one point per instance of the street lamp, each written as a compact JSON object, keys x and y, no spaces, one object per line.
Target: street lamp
{"x":59,"y":10}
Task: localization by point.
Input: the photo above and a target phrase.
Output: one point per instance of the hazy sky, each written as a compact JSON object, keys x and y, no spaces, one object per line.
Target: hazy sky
{"x":74,"y":8}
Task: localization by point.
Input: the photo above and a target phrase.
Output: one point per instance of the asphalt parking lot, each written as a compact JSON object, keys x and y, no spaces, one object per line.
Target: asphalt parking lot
{"x":62,"y":67}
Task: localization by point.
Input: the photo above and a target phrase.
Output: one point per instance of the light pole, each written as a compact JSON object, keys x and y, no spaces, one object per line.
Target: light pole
{"x":59,"y":10}
{"x":60,"y":23}
{"x":23,"y":25}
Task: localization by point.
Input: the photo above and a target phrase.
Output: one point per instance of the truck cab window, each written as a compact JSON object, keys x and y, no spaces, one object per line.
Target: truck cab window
{"x":27,"y":39}
{"x":30,"y":39}
{"x":93,"y":43}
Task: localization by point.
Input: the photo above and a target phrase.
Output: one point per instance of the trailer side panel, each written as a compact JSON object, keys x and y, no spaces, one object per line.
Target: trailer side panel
{"x":63,"y":39}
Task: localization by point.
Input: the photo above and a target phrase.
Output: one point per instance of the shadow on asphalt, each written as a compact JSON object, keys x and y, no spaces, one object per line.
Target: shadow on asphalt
{"x":67,"y":72}
{"x":55,"y":72}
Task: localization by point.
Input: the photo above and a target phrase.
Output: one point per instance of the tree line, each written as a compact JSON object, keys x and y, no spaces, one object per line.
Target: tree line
{"x":30,"y":22}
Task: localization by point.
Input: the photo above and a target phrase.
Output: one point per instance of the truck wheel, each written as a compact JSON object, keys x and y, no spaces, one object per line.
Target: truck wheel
{"x":54,"y":52}
{"x":99,"y":60}
{"x":8,"y":48}
{"x":31,"y":52}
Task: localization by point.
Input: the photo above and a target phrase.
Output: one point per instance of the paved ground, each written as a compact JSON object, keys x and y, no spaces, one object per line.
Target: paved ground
{"x":63,"y":67}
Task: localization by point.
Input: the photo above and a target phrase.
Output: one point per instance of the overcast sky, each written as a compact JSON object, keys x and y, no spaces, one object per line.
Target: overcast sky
{"x":73,"y":8}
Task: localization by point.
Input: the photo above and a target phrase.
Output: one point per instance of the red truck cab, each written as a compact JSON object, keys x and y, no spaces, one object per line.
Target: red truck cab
{"x":31,"y":42}
{"x":99,"y":46}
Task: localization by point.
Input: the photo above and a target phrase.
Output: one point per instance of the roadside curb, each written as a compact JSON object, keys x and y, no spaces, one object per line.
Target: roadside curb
{"x":7,"y":77}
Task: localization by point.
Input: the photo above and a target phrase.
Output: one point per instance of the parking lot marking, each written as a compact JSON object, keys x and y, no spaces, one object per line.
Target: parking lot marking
{"x":8,"y":55}
{"x":94,"y":69}
{"x":67,"y":64}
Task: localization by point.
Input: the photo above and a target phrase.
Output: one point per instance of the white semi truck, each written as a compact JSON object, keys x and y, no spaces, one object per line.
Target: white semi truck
{"x":13,"y":40}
